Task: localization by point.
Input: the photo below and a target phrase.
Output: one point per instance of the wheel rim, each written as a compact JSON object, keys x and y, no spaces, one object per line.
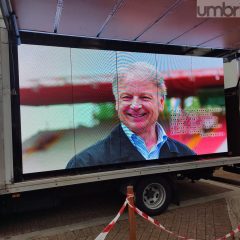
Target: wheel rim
{"x":154,"y":196}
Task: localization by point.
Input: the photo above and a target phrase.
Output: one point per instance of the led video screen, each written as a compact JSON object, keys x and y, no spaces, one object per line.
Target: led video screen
{"x":86,"y":107}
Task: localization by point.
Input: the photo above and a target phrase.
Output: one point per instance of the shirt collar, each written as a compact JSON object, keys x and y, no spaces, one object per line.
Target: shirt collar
{"x":162,"y":136}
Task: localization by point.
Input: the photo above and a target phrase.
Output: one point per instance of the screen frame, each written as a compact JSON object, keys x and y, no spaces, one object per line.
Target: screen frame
{"x":35,"y":38}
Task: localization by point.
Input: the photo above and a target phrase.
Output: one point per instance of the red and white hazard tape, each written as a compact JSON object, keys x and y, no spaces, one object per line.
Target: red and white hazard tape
{"x":157,"y":224}
{"x":108,"y":228}
{"x":231,"y":234}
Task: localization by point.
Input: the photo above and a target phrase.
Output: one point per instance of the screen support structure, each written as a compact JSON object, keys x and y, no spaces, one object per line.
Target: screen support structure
{"x":232,"y":103}
{"x":13,"y":37}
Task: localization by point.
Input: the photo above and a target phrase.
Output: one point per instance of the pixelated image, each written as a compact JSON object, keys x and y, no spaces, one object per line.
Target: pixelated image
{"x":84,"y":107}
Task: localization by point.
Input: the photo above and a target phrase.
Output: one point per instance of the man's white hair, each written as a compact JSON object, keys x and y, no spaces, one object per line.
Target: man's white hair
{"x":141,"y":71}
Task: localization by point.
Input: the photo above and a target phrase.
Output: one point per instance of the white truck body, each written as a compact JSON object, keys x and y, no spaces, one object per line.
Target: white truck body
{"x":8,"y":185}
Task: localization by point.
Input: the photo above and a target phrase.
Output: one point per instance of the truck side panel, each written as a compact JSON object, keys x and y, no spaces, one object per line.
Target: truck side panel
{"x":6,"y":160}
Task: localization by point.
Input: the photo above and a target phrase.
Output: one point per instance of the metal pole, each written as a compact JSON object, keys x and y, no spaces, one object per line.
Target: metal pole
{"x":131,"y":214}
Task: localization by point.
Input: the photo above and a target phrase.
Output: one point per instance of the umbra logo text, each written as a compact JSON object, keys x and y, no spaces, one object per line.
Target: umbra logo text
{"x":218,"y":8}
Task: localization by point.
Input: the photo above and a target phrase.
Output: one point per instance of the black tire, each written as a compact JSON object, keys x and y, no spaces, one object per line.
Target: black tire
{"x":153,"y":195}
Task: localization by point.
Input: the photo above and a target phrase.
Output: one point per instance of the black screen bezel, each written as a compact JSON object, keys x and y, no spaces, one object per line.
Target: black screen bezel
{"x":35,"y":38}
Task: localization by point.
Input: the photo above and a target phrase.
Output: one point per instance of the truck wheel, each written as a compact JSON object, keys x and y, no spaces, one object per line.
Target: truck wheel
{"x":153,"y":195}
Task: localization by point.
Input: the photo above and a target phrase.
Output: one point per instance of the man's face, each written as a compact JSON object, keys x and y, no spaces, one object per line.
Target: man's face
{"x":138,"y":104}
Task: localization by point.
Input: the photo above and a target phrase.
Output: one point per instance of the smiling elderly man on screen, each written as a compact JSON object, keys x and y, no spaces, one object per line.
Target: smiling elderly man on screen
{"x":139,"y":93}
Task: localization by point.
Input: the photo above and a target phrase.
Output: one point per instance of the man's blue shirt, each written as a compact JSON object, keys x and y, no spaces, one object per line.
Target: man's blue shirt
{"x":140,"y":145}
{"x":117,"y":148}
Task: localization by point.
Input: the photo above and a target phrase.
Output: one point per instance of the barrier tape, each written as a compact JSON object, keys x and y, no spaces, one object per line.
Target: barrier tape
{"x":155,"y":222}
{"x":108,"y":228}
{"x":231,"y":234}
